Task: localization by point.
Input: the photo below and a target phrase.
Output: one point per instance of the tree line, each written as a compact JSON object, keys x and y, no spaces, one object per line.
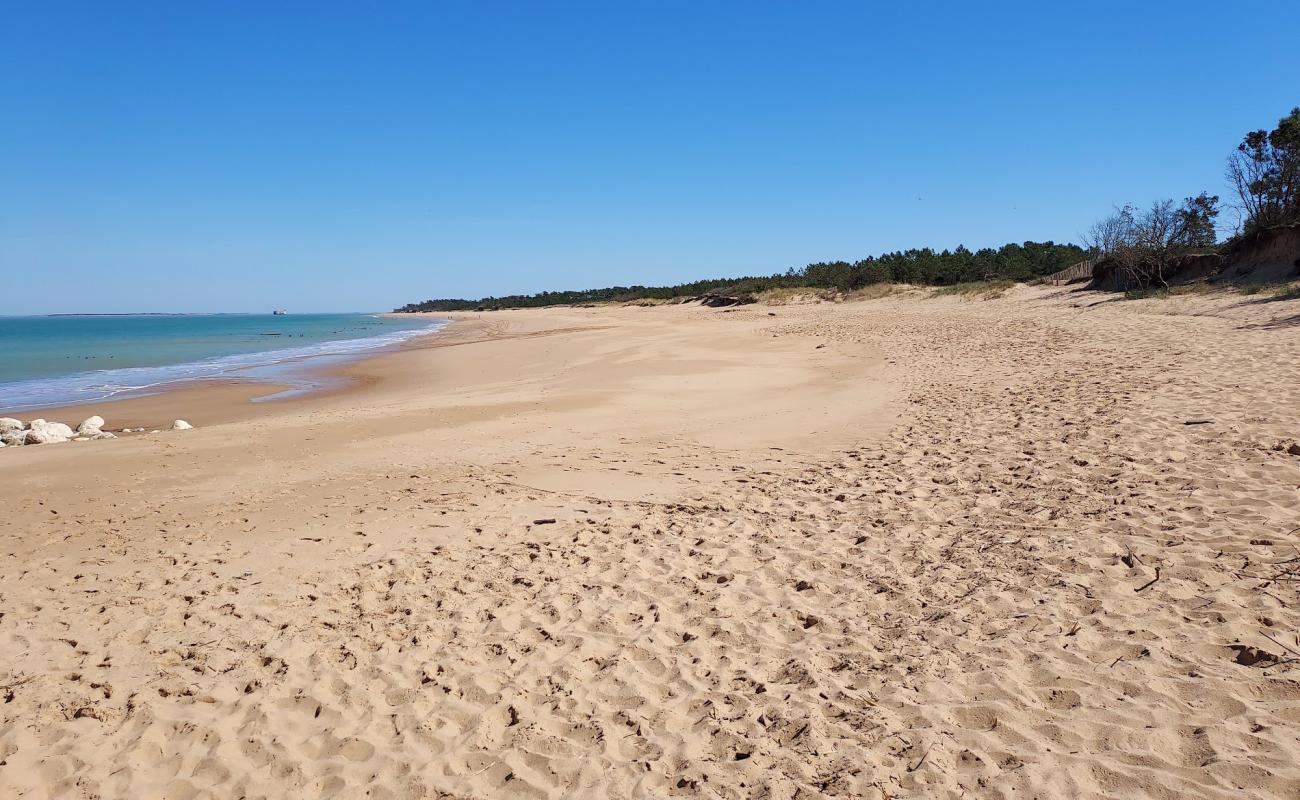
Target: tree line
{"x":925,"y":266}
{"x":1144,"y":243}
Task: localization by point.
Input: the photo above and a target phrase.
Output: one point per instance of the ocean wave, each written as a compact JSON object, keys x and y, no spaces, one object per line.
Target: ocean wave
{"x":85,"y":387}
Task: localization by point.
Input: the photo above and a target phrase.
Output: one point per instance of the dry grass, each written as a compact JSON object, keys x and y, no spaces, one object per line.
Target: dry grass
{"x":795,"y":294}
{"x":1281,"y":290}
{"x":811,"y":294}
{"x":1172,"y":291}
{"x":878,"y":290}
{"x":646,"y":302}
{"x":976,"y":290}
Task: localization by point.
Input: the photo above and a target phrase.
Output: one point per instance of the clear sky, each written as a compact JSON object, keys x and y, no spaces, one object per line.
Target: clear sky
{"x":226,"y":156}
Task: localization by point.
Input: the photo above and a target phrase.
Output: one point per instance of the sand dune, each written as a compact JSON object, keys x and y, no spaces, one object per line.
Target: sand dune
{"x":900,"y":548}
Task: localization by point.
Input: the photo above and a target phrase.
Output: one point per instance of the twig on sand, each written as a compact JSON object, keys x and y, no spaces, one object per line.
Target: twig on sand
{"x":17,"y":683}
{"x":1279,"y":664}
{"x":1150,"y":582}
{"x":1289,"y":649}
{"x":1197,"y":421}
{"x":924,"y":755}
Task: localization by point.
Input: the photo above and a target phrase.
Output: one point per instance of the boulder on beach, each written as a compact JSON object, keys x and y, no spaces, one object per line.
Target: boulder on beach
{"x":44,"y":436}
{"x":14,"y":438}
{"x":8,"y":424}
{"x":181,"y":425}
{"x":42,"y":432}
{"x":90,"y":426}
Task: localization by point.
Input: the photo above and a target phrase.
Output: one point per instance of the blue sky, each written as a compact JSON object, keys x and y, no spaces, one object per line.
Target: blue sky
{"x":231,"y":156}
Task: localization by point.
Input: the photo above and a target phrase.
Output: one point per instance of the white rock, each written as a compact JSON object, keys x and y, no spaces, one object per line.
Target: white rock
{"x":14,"y":438}
{"x":8,"y":424}
{"x":90,"y":426}
{"x":181,"y":425}
{"x":2,"y":444}
{"x":42,"y":437}
{"x":42,"y":432}
{"x":53,"y":428}
{"x":103,"y":435}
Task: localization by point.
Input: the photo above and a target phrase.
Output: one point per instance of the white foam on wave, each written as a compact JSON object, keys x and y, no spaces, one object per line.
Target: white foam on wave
{"x":85,"y":387}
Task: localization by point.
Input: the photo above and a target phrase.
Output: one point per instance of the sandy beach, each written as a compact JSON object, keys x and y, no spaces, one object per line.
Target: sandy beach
{"x":1045,"y":545}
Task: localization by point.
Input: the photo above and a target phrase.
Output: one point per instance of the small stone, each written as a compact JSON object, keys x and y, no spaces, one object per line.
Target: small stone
{"x":1294,"y":449}
{"x":181,"y":425}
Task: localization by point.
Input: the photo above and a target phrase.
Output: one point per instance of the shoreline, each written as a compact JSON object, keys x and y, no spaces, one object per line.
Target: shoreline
{"x":209,"y":401}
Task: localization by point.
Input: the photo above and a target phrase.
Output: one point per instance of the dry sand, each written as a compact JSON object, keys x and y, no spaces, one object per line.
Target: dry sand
{"x":898,"y":548}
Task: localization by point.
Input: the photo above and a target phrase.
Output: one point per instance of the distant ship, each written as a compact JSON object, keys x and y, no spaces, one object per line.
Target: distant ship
{"x":279,"y":312}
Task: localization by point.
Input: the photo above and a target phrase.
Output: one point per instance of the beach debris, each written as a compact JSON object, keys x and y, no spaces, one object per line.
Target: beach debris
{"x":1248,"y":656}
{"x":1149,"y":583}
{"x":181,"y":425}
{"x":718,"y":299}
{"x":546,"y":521}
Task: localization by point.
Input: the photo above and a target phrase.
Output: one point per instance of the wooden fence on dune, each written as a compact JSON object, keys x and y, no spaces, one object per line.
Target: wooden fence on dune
{"x":1079,"y":272}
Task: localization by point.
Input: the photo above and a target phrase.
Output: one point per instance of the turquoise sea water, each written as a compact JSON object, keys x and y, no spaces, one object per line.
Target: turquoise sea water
{"x":59,"y":360}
